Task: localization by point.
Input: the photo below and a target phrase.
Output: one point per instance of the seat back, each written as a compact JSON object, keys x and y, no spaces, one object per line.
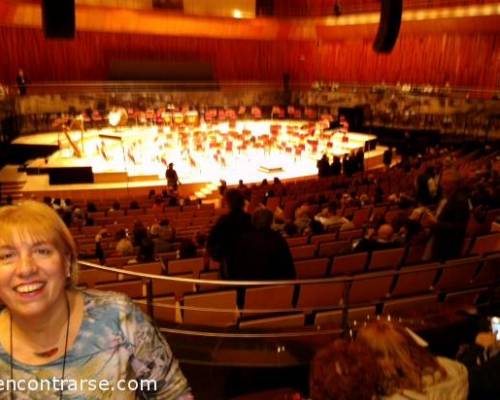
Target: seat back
{"x":312,"y":268}
{"x":458,"y":274}
{"x":349,"y":264}
{"x":281,"y":322}
{"x":414,"y":280}
{"x":303,"y":252}
{"x":268,"y":298}
{"x":320,"y":295}
{"x":486,"y":244}
{"x":216,"y":309}
{"x":369,"y":289}
{"x":194,"y":265}
{"x":386,"y":259}
{"x":329,"y":249}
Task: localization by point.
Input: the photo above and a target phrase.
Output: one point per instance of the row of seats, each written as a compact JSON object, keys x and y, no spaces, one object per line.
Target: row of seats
{"x":324,"y":299}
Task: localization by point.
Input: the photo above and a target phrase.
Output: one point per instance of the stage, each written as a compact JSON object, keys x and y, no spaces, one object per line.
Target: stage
{"x":135,"y":157}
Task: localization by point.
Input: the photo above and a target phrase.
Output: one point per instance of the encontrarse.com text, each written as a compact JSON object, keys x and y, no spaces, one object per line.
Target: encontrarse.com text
{"x":76,"y":385}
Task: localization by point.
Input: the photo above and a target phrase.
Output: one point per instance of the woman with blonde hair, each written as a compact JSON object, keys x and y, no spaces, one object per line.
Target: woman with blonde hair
{"x":57,"y":341}
{"x":409,"y":370}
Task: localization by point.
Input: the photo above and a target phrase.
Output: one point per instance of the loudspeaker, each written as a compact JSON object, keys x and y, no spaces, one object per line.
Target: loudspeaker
{"x":388,"y":28}
{"x":58,"y":19}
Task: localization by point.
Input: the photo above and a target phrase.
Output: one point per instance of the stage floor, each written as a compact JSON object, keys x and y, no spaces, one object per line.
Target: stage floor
{"x":137,"y":156}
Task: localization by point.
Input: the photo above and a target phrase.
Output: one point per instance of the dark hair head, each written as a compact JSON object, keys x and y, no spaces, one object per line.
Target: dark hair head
{"x":262,"y":219}
{"x":235,"y":199}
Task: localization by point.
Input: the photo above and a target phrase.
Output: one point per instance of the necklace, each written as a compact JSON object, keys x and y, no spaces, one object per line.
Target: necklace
{"x":47,"y":353}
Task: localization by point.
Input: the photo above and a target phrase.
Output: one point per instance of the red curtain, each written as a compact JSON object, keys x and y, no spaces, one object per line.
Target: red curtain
{"x":471,"y":60}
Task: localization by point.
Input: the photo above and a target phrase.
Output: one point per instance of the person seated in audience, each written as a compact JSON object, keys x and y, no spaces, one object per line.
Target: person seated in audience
{"x":91,"y":207}
{"x":262,"y":253}
{"x":50,"y":329}
{"x":290,"y":230}
{"x":329,"y":219}
{"x":187,"y":249}
{"x":314,"y":228}
{"x":139,"y":232}
{"x":57,"y":204}
{"x":146,"y":250}
{"x":158,"y":205}
{"x":134,"y":205}
{"x":408,"y":369}
{"x":302,"y":219}
{"x":115,"y":207}
{"x":323,"y":166}
{"x":124,"y":247}
{"x":384,"y":239}
{"x":162,"y":238}
{"x":482,"y":359}
{"x":226,"y":232}
{"x":344,"y":370}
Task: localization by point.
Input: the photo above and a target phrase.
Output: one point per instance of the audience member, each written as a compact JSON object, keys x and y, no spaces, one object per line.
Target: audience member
{"x":408,"y":369}
{"x":226,"y":232}
{"x":328,"y":217}
{"x":124,"y":247}
{"x":344,"y":370}
{"x":139,"y":232}
{"x":262,"y":253}
{"x":384,"y":239}
{"x":449,"y":223}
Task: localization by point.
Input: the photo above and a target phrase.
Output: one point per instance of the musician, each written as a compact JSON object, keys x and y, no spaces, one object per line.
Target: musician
{"x":21,"y":82}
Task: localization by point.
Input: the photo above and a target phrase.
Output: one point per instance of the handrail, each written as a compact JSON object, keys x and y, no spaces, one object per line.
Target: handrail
{"x":368,"y":275}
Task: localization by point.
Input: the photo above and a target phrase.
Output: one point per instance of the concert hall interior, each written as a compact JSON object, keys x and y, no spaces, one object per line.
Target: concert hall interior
{"x":267,"y":177}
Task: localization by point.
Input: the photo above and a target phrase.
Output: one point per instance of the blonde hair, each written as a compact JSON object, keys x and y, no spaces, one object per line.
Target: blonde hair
{"x":32,"y":220}
{"x":404,"y":363}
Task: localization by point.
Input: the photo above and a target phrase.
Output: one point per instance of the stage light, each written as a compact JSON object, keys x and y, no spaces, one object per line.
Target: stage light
{"x":237,"y":13}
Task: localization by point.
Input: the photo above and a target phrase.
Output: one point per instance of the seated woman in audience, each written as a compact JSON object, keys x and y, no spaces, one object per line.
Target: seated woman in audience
{"x":344,"y":370}
{"x":124,"y":247}
{"x":328,"y":217}
{"x":50,"y":330}
{"x":410,"y":370}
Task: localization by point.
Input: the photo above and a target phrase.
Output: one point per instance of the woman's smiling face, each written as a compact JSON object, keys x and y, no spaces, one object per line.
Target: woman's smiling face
{"x":32,"y":275}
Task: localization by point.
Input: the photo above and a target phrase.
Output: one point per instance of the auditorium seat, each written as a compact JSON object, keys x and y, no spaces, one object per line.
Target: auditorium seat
{"x":119,"y":261}
{"x":209,"y":304}
{"x":194,"y":265}
{"x":303,"y":252}
{"x":313,"y":296}
{"x":361,"y":217}
{"x":91,"y":277}
{"x":209,"y":275}
{"x":355,"y":316}
{"x":164,"y":308}
{"x":464,"y":298}
{"x":415,"y":280}
{"x":369,"y":289}
{"x":414,"y":254}
{"x":458,"y":274}
{"x":351,"y":234}
{"x":277,"y":323}
{"x":411,"y":306}
{"x":153,"y":268}
{"x":486,"y":244}
{"x":267,"y":298}
{"x":324,"y":237}
{"x":489,"y":272}
{"x":312,"y":268}
{"x":386,"y":259}
{"x":349,"y":264}
{"x":133,"y":289}
{"x":329,"y":249}
{"x":164,"y":286}
{"x":297,"y":241}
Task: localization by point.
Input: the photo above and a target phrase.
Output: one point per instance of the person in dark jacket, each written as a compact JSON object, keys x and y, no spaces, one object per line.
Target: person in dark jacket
{"x":449,"y":225}
{"x":226,"y":232}
{"x":262,"y":254}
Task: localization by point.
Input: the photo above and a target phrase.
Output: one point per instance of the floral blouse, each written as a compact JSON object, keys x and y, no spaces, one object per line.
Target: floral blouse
{"x":117,"y":354}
